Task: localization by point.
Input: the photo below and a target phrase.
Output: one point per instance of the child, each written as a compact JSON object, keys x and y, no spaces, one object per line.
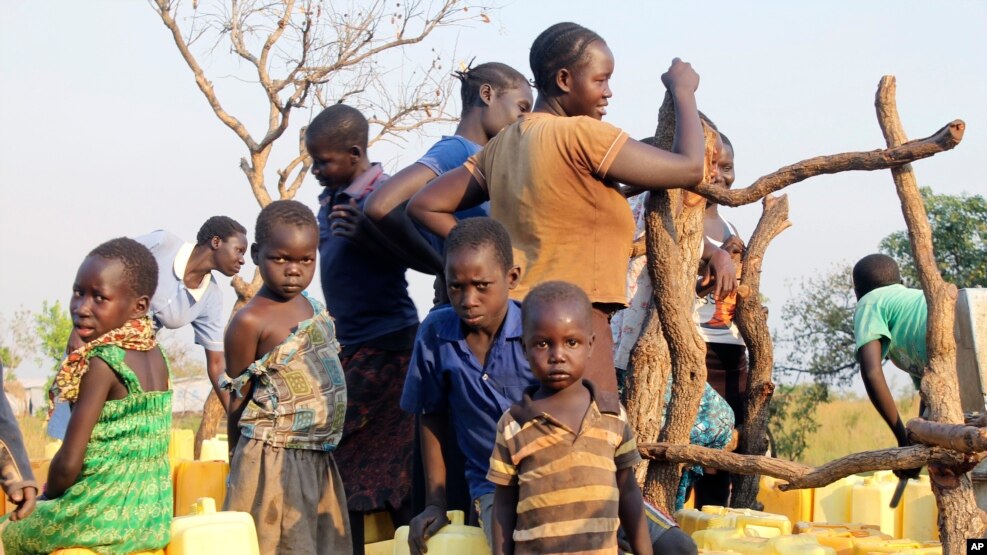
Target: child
{"x":889,"y":321}
{"x":468,"y":366}
{"x":550,"y":178}
{"x":563,"y":459}
{"x":109,"y":485}
{"x":367,"y":294}
{"x":472,"y":367}
{"x":494,"y":95}
{"x":289,"y":396}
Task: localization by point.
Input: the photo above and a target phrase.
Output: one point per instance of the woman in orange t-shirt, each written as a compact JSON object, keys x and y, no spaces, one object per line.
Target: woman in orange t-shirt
{"x":551,"y":177}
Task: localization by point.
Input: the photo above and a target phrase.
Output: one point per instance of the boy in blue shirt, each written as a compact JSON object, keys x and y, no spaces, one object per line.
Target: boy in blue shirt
{"x":366,"y":293}
{"x":469,"y":366}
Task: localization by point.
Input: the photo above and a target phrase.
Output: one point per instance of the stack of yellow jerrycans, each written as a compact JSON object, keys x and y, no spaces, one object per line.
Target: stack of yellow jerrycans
{"x":849,"y":517}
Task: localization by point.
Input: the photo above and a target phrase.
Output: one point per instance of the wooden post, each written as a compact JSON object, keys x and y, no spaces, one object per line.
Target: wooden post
{"x":959,"y":517}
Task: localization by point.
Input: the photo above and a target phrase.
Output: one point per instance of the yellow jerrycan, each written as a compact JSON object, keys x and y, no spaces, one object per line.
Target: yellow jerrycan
{"x":453,"y":539}
{"x":795,"y":504}
{"x":919,"y":514}
{"x":207,"y":532}
{"x":871,"y":500}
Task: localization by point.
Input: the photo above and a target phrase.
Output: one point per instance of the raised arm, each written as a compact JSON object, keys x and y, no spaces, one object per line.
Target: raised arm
{"x":644,"y":166}
{"x":434,"y":206}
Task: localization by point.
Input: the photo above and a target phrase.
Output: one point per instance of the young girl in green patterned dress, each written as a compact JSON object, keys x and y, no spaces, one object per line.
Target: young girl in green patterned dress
{"x":108,"y":487}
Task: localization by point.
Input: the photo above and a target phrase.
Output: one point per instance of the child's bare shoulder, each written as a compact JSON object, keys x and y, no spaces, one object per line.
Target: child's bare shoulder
{"x":250,"y":317}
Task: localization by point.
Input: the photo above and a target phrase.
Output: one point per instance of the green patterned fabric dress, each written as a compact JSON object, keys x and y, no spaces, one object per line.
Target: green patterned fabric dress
{"x":122,"y":501}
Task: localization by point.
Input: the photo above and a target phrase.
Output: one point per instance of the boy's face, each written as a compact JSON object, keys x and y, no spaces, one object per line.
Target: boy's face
{"x":558,"y":340}
{"x":334,"y":167}
{"x":286,"y":261}
{"x":504,"y":107}
{"x":478,"y":286}
{"x":102,"y":298}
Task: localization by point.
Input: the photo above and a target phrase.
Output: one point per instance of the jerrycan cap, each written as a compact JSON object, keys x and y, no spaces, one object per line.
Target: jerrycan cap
{"x":455,"y":517}
{"x":204,"y":506}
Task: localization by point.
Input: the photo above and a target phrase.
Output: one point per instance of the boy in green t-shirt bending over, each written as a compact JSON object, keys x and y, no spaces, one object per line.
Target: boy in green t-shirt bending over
{"x":889,"y":322}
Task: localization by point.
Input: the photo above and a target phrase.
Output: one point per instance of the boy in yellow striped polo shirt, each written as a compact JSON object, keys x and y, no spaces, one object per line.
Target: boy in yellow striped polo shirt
{"x":563,"y":460}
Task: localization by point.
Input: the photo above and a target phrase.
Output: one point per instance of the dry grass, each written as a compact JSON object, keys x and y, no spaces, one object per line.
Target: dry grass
{"x":849,"y":425}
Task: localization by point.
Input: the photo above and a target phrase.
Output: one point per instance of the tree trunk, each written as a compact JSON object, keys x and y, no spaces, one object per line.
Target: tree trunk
{"x":959,"y":517}
{"x":752,"y":321}
{"x":674,"y":239}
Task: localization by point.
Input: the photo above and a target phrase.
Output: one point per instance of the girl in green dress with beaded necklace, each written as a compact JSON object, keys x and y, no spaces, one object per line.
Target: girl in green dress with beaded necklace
{"x":108,"y":487}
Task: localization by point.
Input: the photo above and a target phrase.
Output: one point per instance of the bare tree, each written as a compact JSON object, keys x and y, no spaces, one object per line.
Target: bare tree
{"x":311,"y":53}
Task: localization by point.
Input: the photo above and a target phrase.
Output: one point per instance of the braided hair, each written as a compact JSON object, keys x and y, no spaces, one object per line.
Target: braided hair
{"x":562,"y":45}
{"x":499,"y":76}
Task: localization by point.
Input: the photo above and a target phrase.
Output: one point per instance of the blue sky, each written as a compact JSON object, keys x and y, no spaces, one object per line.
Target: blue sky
{"x":103,"y":132}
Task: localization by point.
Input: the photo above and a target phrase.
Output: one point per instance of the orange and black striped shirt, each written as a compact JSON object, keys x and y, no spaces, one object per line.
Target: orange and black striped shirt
{"x":568,"y":497}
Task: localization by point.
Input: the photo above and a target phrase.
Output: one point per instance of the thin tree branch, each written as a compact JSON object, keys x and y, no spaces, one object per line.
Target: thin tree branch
{"x":163,"y":8}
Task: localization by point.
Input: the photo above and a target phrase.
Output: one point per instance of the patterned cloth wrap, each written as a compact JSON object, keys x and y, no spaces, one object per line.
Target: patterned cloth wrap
{"x":135,"y":335}
{"x":299,"y":397}
{"x":122,"y":500}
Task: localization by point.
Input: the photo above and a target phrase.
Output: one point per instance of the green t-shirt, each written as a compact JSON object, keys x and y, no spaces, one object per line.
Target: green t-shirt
{"x":897,"y":316}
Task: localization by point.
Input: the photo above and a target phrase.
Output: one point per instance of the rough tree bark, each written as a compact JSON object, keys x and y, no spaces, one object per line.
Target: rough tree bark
{"x":674,"y":225}
{"x":959,"y":517}
{"x":752,"y":321}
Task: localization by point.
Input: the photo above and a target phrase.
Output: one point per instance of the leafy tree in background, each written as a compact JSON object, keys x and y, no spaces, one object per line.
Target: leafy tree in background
{"x":792,"y":418}
{"x":52,"y":327}
{"x":817,"y":335}
{"x":959,"y":233}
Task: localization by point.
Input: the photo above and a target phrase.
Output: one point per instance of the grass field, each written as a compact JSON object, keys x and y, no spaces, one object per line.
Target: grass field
{"x":850,"y":424}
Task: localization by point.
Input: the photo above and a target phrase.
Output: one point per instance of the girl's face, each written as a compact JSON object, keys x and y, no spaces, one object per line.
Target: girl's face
{"x":286,"y":260}
{"x":504,"y":107}
{"x":587,"y":86}
{"x":102,"y":299}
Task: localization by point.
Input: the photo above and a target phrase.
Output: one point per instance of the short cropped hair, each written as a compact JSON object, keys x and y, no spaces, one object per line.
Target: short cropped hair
{"x":341,"y":126}
{"x":476,"y":232}
{"x":282,"y":212}
{"x":500,"y":77}
{"x":873,"y":271}
{"x":555,"y":292}
{"x":223,"y":227}
{"x":562,"y":45}
{"x":139,"y":267}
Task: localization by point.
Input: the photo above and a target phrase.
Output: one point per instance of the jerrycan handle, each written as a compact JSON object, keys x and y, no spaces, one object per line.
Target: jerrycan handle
{"x":455,"y":517}
{"x":204,"y":506}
